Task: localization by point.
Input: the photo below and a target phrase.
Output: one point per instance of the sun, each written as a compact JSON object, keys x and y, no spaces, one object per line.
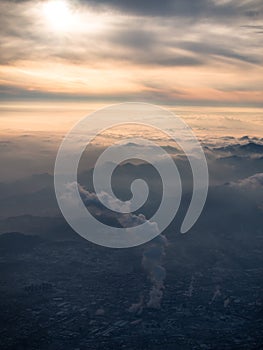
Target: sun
{"x":59,"y":15}
{"x":69,"y":17}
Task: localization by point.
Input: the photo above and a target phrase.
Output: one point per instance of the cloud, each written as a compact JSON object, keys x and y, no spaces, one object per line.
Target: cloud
{"x":247,"y":149}
{"x":186,"y":8}
{"x":156,"y":38}
{"x":254,"y":182}
{"x":184,"y":51}
{"x":219,"y":50}
{"x":125,"y":220}
{"x":236,"y":184}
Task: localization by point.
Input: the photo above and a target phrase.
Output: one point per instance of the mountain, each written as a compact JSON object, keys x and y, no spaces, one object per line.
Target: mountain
{"x":242,"y":149}
{"x":52,"y":228}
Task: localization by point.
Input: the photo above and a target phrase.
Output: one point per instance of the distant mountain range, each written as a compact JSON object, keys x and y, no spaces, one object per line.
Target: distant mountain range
{"x":243,"y":149}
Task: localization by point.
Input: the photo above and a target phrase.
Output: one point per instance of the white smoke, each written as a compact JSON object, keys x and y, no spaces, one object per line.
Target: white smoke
{"x":152,"y":256}
{"x":137,"y":308}
{"x":152,"y":264}
{"x":226,"y":302}
{"x":190,"y":290}
{"x":216,"y":294}
{"x":90,"y":199}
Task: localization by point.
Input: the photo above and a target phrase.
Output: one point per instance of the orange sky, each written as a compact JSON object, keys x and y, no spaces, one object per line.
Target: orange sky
{"x":75,"y":50}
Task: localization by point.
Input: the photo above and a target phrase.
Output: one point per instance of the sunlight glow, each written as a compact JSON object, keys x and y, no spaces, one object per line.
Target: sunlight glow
{"x":59,"y":15}
{"x":65,"y":16}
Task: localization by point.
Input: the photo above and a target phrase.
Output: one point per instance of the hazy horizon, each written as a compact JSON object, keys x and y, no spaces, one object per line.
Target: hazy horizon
{"x":150,"y":236}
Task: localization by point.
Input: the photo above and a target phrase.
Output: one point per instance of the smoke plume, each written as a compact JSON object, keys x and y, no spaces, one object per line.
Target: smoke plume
{"x":152,"y":264}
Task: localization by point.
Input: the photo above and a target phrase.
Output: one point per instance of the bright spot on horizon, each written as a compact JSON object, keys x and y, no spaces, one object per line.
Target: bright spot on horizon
{"x":59,"y":15}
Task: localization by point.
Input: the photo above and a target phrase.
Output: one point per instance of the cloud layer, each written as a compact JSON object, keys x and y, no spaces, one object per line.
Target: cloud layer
{"x":160,"y":51}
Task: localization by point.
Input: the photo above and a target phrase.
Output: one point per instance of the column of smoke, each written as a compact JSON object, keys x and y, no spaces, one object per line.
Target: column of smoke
{"x":190,"y":290}
{"x":152,"y":264}
{"x":137,"y":308}
{"x":216,"y":294}
{"x":152,"y":256}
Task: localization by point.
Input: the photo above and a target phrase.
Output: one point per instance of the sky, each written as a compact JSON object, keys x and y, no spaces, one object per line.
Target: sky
{"x":60,"y":60}
{"x":173,"y":52}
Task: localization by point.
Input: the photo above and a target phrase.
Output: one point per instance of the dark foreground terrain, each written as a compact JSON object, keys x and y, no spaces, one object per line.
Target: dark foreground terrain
{"x":60,"y":292}
{"x":74,"y":295}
